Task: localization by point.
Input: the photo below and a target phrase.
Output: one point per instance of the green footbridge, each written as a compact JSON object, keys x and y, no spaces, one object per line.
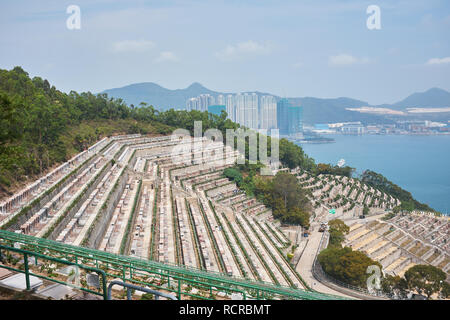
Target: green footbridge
{"x":41,"y":257}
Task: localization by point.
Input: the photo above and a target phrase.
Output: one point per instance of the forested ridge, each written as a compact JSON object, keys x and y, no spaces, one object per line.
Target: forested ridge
{"x":41,"y":127}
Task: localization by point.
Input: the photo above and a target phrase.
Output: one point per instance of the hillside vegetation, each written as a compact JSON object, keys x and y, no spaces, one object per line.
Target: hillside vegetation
{"x":41,"y":126}
{"x":281,"y":193}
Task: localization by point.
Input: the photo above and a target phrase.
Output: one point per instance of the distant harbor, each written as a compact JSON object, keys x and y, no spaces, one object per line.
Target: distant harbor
{"x":314,"y":140}
{"x":410,"y":127}
{"x":310,"y":137}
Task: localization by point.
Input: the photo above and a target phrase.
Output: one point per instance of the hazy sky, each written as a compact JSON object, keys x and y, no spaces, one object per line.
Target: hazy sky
{"x":289,"y":48}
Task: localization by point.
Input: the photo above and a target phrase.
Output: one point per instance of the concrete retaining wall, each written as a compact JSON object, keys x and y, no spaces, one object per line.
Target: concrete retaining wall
{"x":21,"y":220}
{"x":105,"y":214}
{"x":60,"y":227}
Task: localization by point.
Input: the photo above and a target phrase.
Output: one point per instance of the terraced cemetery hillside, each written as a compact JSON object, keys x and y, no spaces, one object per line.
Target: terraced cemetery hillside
{"x":347,"y":196}
{"x":404,"y":241}
{"x":130,"y":195}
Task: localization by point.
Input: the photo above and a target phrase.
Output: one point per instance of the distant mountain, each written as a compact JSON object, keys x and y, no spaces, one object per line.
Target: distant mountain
{"x":315,"y":110}
{"x":161,"y":98}
{"x":432,"y":98}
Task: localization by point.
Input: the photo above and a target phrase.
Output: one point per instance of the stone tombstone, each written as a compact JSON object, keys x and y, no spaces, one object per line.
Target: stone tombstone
{"x":93,"y":280}
{"x":236,"y":296}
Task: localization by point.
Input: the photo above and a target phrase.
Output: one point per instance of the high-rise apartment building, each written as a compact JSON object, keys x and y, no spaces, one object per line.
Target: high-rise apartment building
{"x":295,"y":119}
{"x":251,"y":111}
{"x":289,"y":118}
{"x":283,"y":116}
{"x":246,"y":110}
{"x":220,"y":100}
{"x":230,"y":104}
{"x":242,"y":108}
{"x":267,"y":113}
{"x":200,"y":103}
{"x":192,"y":104}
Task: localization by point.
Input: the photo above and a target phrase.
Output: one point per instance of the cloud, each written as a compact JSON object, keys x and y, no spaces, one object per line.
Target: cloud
{"x":435,"y":61}
{"x":346,"y":60}
{"x":133,"y":46}
{"x":297,"y":65}
{"x":166,"y":56}
{"x":242,"y":49}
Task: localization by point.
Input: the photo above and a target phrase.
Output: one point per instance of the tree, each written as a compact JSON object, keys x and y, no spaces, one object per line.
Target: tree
{"x":445,"y":292}
{"x":9,"y":122}
{"x":293,"y":156}
{"x":425,"y":279}
{"x":337,"y":229}
{"x":323,"y":168}
{"x":296,"y":216}
{"x":285,"y":196}
{"x":365,"y":210}
{"x":394,"y":285}
{"x":234,"y":175}
{"x":339,"y":225}
{"x":346,"y":265}
{"x":286,"y":186}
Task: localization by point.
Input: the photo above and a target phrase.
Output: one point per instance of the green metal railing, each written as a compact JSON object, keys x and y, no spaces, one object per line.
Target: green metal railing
{"x":180,"y":280}
{"x":28,"y":272}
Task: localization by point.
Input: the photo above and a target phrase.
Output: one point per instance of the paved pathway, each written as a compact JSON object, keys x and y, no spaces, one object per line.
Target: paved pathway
{"x":304,"y":266}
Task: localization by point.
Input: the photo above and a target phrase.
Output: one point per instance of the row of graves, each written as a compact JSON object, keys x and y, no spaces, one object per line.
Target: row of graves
{"x":347,"y":196}
{"x":394,"y":247}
